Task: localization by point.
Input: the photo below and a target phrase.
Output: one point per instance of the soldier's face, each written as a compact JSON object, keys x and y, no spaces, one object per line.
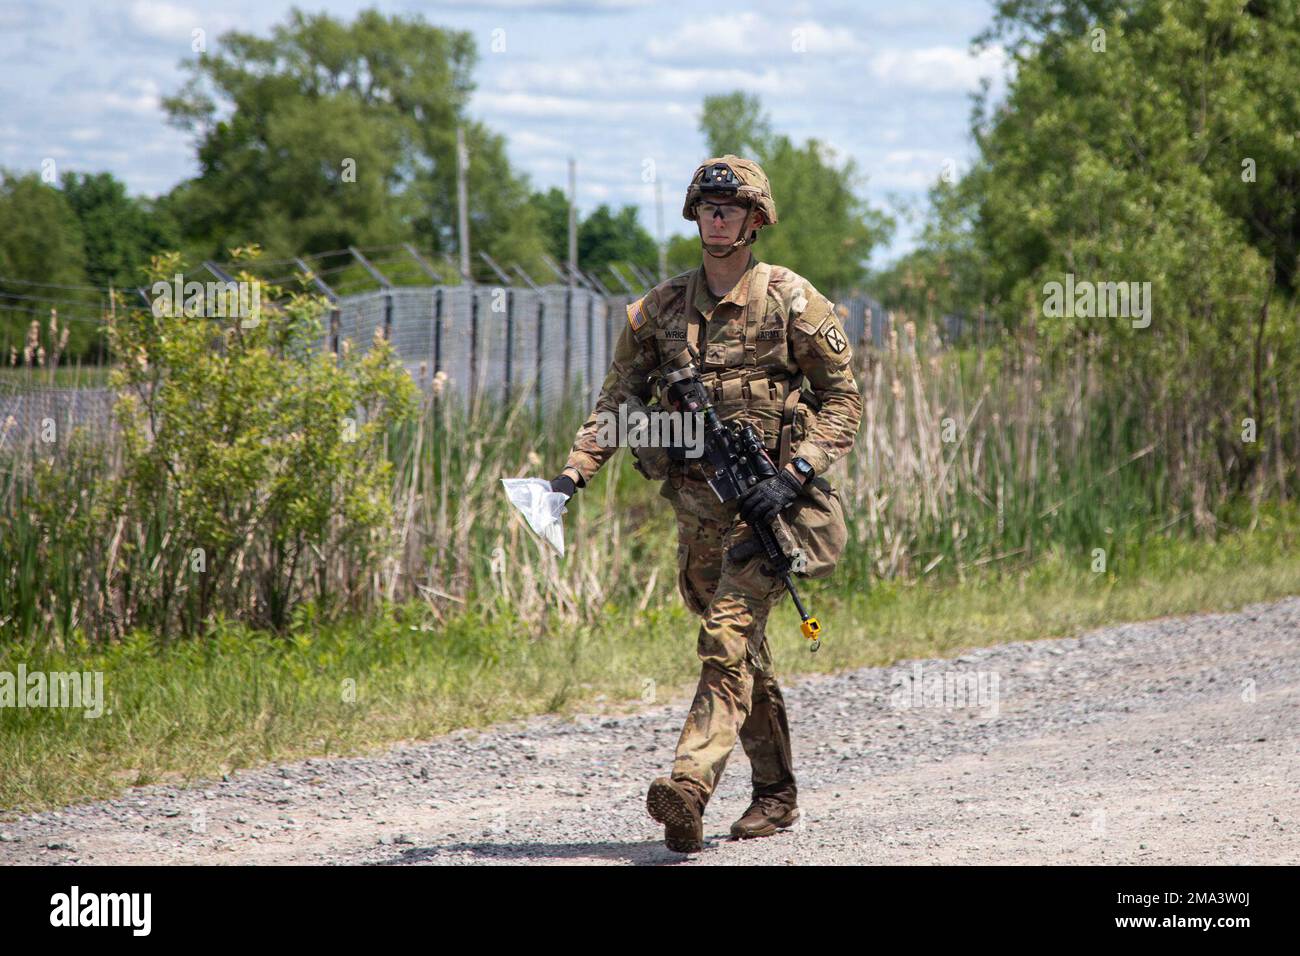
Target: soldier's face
{"x":722,"y":222}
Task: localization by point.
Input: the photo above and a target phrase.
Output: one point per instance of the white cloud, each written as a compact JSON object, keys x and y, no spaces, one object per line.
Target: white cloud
{"x":910,"y":169}
{"x":546,"y":6}
{"x":938,"y":69}
{"x":904,"y":179}
{"x":699,"y":81}
{"x":820,"y":39}
{"x":166,"y":21}
{"x":95,"y":159}
{"x":909,"y":157}
{"x":16,"y":17}
{"x":527,"y":141}
{"x":140,"y":97}
{"x":88,"y":106}
{"x":594,"y":80}
{"x":750,"y":34}
{"x":567,"y":77}
{"x":588,"y":109}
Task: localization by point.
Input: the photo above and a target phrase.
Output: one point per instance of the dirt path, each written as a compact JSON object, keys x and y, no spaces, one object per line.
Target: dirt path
{"x":1172,"y":741}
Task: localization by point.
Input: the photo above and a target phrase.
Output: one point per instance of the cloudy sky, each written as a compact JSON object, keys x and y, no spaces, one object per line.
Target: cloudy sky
{"x":615,"y":83}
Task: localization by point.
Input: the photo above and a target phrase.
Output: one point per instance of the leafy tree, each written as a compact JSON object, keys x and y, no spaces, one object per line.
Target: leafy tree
{"x":120,"y":233}
{"x":683,"y":253}
{"x":605,"y":237}
{"x":343,"y":134}
{"x":254,"y":465}
{"x":735,"y":123}
{"x":42,"y":242}
{"x":1119,"y":158}
{"x":552,"y":208}
{"x":1024,"y":23}
{"x":1241,"y":106}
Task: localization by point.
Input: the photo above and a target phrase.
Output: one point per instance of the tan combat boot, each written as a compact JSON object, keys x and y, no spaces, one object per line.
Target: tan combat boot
{"x":680,"y":810}
{"x":764,"y":817}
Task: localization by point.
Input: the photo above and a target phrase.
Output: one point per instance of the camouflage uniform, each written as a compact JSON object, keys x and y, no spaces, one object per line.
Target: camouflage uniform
{"x":771,"y":332}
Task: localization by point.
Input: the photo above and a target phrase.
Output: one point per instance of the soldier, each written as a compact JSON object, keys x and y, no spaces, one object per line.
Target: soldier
{"x":773,"y":352}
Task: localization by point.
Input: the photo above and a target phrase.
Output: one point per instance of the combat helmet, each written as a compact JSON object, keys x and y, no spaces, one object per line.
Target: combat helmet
{"x":731,"y":177}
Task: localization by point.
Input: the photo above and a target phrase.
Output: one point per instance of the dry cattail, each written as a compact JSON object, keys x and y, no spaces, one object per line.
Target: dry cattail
{"x":33,"y":337}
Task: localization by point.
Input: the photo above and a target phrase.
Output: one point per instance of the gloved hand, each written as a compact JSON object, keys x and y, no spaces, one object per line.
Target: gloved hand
{"x":564,"y":484}
{"x":769,"y":498}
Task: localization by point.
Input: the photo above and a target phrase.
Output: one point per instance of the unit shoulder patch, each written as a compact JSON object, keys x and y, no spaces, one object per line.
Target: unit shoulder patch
{"x":835,"y":339}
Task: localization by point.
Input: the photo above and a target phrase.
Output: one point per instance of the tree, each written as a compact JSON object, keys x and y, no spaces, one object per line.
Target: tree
{"x":1250,"y":60}
{"x":262,"y":457}
{"x":734,"y":123}
{"x":1025,"y":23}
{"x":42,"y":243}
{"x":1124,"y":163}
{"x":120,"y":233}
{"x":343,"y":134}
{"x":552,"y":209}
{"x":606,"y":237}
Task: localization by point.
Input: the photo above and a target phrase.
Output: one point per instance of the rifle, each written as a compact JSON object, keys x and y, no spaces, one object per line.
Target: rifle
{"x":738,"y":460}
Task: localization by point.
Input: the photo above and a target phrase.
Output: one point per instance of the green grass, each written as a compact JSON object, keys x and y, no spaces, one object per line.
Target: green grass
{"x":193,"y":710}
{"x":65,"y":376}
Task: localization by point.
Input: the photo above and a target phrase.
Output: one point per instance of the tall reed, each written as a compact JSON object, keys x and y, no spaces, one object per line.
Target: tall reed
{"x":967,"y":460}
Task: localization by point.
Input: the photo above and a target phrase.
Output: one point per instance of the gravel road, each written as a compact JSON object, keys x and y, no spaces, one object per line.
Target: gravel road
{"x":1171,"y":741}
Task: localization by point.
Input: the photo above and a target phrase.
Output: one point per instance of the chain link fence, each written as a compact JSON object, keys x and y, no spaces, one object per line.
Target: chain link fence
{"x":541,"y":344}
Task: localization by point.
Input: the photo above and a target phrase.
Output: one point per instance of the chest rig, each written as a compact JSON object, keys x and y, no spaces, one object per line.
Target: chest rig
{"x":746,"y":363}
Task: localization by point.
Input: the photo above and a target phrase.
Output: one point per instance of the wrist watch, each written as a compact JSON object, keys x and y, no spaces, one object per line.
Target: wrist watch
{"x":805,"y":470}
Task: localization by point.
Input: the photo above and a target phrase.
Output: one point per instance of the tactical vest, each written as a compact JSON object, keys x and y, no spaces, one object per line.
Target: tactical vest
{"x":745,"y":361}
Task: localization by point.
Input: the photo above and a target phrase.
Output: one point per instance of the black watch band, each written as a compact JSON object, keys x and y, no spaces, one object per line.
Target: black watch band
{"x":802,"y":466}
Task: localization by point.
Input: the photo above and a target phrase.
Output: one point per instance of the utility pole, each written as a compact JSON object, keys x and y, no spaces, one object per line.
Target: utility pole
{"x":462,"y":200}
{"x":659,"y":218}
{"x":573,"y":218}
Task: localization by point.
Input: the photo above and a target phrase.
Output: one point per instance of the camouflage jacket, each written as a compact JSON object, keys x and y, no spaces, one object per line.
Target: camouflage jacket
{"x":772,"y":332}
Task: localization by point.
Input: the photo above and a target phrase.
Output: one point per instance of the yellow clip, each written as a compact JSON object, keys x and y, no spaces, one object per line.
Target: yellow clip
{"x":812,"y":629}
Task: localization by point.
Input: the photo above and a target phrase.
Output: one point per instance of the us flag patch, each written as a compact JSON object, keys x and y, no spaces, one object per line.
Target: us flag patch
{"x":635,"y":317}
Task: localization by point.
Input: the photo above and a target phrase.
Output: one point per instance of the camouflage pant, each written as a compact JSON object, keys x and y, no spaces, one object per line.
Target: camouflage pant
{"x":737,"y":694}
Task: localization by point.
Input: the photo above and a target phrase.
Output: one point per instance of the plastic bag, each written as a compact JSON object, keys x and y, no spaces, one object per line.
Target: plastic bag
{"x":540,"y":506}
